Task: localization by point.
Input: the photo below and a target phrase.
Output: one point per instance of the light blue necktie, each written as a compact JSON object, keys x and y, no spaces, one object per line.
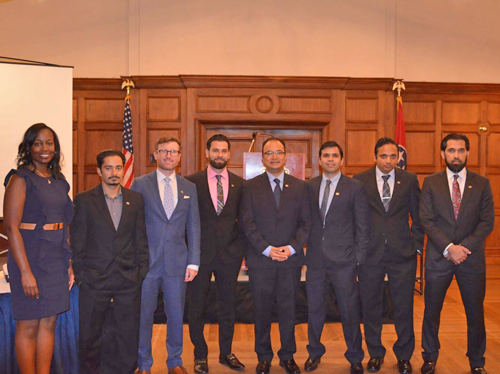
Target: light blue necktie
{"x":168,"y":198}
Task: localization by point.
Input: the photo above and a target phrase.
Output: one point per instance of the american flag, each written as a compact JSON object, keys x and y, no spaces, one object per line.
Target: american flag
{"x":400,"y":135}
{"x":128,"y":148}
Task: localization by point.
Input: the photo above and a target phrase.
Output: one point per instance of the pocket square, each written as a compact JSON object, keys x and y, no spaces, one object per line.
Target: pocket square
{"x":187,"y":197}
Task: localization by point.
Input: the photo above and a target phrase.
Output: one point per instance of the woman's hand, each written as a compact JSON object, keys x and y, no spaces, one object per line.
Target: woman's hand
{"x":29,"y":285}
{"x":71,"y":276}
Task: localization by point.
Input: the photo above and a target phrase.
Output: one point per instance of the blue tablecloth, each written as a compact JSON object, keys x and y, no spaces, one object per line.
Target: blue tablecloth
{"x":65,"y":358}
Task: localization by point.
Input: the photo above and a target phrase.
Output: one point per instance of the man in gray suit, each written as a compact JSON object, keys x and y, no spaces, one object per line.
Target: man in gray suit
{"x":171,"y":207}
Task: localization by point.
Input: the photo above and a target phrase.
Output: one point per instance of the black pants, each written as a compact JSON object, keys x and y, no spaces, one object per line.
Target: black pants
{"x":226,"y":277}
{"x":401,"y":277}
{"x":117,"y":304}
{"x":343,"y":279}
{"x":270,"y":285}
{"x":472,"y":289}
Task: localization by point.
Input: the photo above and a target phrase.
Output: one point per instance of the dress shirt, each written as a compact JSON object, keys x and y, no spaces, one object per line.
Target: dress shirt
{"x":462,"y":175}
{"x":115,"y":207}
{"x":212,"y":184}
{"x":380,"y":182}
{"x":333,"y":186}
{"x":281,"y":177}
{"x":161,"y":189}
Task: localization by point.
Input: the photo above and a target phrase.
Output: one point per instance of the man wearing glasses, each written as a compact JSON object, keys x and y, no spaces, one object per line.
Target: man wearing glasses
{"x":171,"y":208}
{"x":276,"y":220}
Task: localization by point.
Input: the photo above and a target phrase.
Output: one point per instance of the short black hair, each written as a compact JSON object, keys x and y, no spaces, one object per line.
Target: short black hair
{"x":218,"y":138}
{"x":271,"y":139}
{"x":384,"y":141}
{"x":454,"y":136}
{"x":331,"y":144}
{"x":108,"y":153}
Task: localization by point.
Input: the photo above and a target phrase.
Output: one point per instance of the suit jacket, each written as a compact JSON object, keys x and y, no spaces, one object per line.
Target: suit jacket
{"x":168,"y":250}
{"x":265,"y":224}
{"x":98,"y":248}
{"x":475,"y":220}
{"x":345,"y":235}
{"x":220,"y":234}
{"x":393,"y":226}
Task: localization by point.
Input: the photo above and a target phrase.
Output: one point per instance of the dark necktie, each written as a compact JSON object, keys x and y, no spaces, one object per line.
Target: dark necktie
{"x":324,"y":202}
{"x":456,"y":197}
{"x":277,"y":191}
{"x":386,"y":193}
{"x":220,"y":195}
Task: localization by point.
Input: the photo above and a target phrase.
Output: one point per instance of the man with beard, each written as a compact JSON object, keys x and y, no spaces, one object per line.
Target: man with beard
{"x":171,"y":206}
{"x":222,"y":249}
{"x":457,"y":214}
{"x":110,"y":259}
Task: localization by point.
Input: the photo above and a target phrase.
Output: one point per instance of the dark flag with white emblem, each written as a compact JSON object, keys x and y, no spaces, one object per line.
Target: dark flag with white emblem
{"x":128,"y":148}
{"x":400,"y":135}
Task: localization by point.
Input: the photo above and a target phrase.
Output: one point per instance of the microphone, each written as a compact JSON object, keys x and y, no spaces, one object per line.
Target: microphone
{"x":254,"y":137}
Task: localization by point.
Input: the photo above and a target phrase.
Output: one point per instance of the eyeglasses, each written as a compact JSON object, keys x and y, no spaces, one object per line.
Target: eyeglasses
{"x":165,"y":152}
{"x":277,"y":153}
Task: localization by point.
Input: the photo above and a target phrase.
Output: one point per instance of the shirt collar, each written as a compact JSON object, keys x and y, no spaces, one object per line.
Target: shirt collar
{"x":212,"y":174}
{"x":462,"y":173}
{"x":161,"y":177}
{"x":119,"y":193}
{"x":281,"y":177}
{"x":334,"y":180}
{"x":379,"y":174}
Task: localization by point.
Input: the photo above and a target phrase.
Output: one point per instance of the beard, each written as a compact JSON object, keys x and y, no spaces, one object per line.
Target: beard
{"x":218,"y":165}
{"x":456,"y":168}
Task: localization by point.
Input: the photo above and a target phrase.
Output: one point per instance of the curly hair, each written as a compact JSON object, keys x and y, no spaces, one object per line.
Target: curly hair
{"x":24,"y":154}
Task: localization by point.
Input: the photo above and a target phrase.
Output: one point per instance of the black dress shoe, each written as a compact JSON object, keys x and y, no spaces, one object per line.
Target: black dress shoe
{"x":357,"y":368}
{"x":404,"y":367}
{"x":477,"y":370}
{"x":311,"y":364}
{"x":201,"y":366}
{"x":231,"y":362}
{"x":374,"y":364}
{"x":428,"y":367}
{"x":263,"y":367}
{"x":290,"y":366}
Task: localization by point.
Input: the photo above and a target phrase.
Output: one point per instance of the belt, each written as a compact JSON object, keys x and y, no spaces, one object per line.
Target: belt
{"x":46,"y":227}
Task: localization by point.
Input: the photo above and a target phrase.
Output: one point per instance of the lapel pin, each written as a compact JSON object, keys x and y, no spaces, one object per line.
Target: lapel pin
{"x":470,"y":186}
{"x":182,"y":191}
{"x":337,"y":193}
{"x":399,"y":182}
{"x":127,"y":203}
{"x":286,"y":185}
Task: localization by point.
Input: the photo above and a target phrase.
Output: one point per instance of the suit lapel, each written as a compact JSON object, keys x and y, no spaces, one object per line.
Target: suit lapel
{"x":468,"y":187}
{"x":268,"y":192}
{"x":315,"y":185}
{"x":230,"y":191}
{"x":286,"y":191}
{"x":126,"y":208}
{"x":206,"y":192}
{"x":339,"y":190}
{"x":372,"y":189}
{"x":153,"y":187}
{"x":396,"y":193}
{"x":444,"y":188}
{"x":100,"y":202}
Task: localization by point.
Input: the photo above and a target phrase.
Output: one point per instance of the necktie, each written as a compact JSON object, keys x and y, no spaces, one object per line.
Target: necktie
{"x":324,"y":202}
{"x":277,"y":191}
{"x":168,"y":198}
{"x":220,"y":194}
{"x":386,"y":193}
{"x":456,"y":197}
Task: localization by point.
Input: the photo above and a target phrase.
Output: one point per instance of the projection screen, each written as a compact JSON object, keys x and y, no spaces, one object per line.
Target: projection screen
{"x":31,"y":94}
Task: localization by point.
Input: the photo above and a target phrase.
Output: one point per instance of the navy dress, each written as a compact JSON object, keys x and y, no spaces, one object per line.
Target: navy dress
{"x":48,"y":252}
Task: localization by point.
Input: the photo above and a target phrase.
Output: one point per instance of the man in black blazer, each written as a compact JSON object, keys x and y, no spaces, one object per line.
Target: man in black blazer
{"x":457,"y":214}
{"x":222,"y":250}
{"x":276,"y":219}
{"x":110,"y":260}
{"x":393,"y":196}
{"x":337,"y":243}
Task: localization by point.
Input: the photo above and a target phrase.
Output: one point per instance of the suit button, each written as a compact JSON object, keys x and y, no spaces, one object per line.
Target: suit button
{"x":116,"y":267}
{"x":323,"y":238}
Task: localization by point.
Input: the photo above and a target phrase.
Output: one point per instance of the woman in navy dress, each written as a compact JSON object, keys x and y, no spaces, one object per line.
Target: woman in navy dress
{"x":37,"y":211}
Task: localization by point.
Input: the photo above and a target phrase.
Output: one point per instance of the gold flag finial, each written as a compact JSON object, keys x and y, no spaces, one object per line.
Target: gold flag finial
{"x":127,"y":84}
{"x":399,"y":85}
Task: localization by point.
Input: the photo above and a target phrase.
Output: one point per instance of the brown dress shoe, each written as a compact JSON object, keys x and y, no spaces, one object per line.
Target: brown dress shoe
{"x":177,"y":370}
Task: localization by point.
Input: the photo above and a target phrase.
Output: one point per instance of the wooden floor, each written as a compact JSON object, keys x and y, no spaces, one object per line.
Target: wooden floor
{"x":453,"y":338}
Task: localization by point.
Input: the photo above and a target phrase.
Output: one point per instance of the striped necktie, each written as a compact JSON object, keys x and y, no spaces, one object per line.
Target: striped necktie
{"x":456,"y":197}
{"x":324,"y":202}
{"x":220,"y":195}
{"x":386,"y":192}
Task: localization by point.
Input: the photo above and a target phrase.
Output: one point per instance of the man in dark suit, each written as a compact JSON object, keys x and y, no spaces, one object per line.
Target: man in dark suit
{"x":276,"y":219}
{"x":222,"y":250}
{"x":171,"y":206}
{"x":110,"y":260}
{"x":337,"y":243}
{"x":393,"y":196}
{"x":457,"y":214}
